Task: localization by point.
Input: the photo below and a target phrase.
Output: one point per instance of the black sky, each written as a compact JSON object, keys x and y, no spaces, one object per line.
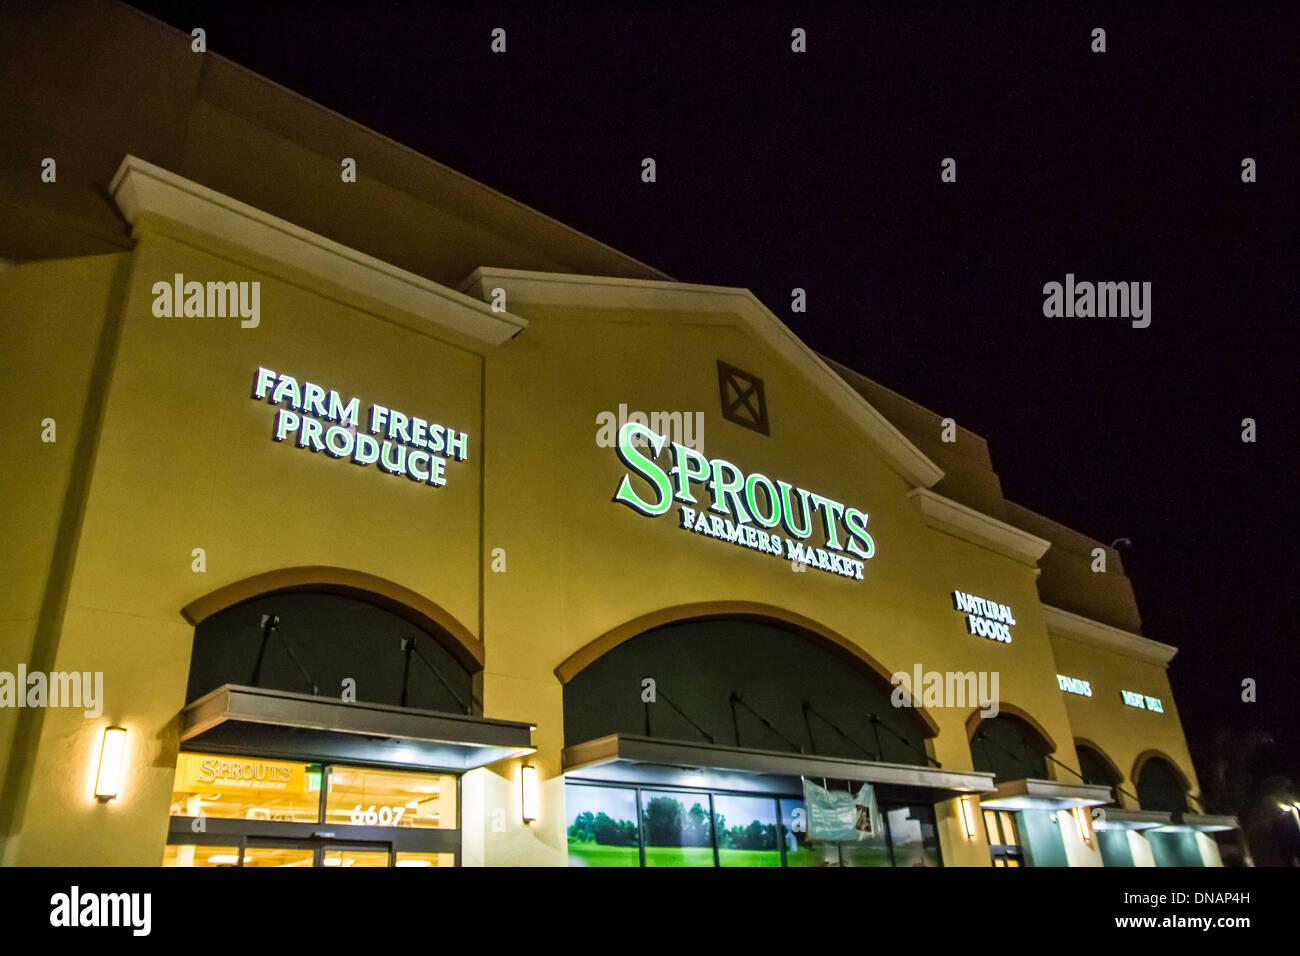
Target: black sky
{"x":821,"y":171}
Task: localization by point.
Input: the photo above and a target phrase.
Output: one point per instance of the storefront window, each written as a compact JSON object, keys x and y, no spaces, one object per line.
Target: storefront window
{"x":747,"y":831}
{"x":794,"y":831}
{"x":245,"y":788}
{"x":677,"y":829}
{"x":914,"y":836}
{"x":602,"y":827}
{"x":866,"y":853}
{"x":388,"y":798}
{"x":1004,"y":838}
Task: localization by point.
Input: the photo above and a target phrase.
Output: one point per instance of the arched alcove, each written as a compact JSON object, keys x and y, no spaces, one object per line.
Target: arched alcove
{"x":313,"y":639}
{"x":773,"y":666}
{"x":368,"y":588}
{"x":1096,"y":768}
{"x":1160,"y":784}
{"x":1009,"y":746}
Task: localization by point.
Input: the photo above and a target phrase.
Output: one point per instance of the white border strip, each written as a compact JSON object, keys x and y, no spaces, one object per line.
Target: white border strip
{"x":1087,"y":631}
{"x":140,"y":187}
{"x":944,"y":514}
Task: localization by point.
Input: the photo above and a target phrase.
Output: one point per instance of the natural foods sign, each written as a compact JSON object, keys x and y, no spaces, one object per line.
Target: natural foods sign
{"x":745,"y":510}
{"x":984,"y":617}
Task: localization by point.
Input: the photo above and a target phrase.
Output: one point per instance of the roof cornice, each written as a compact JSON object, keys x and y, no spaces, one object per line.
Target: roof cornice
{"x":141,"y":188}
{"x":1087,"y":631}
{"x":560,"y":289}
{"x":954,"y":518}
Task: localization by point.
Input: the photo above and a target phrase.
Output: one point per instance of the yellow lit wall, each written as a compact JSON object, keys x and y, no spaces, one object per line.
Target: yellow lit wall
{"x":182,"y":458}
{"x":1122,"y":732}
{"x":580,"y":565}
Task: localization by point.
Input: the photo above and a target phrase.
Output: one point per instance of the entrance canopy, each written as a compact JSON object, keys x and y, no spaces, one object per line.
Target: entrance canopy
{"x":275,"y":723}
{"x":1113,"y":818}
{"x":1201,"y":823}
{"x":623,"y":758}
{"x":1030,"y":794}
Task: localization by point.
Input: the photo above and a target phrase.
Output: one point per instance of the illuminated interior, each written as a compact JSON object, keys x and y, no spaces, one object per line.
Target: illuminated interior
{"x":277,"y":856}
{"x":424,"y":859}
{"x":1004,"y":838}
{"x":268,"y":792}
{"x":390,"y":798}
{"x":348,"y":858}
{"x":190,"y":855}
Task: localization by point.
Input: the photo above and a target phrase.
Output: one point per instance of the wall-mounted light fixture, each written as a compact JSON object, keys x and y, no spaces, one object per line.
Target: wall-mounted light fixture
{"x":967,"y":817}
{"x":1083,"y":817}
{"x":528,"y":792}
{"x":112,"y":749}
{"x":1293,"y":809}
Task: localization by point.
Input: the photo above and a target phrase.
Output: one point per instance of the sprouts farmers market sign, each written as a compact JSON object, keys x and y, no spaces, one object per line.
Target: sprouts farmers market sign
{"x":743,"y":509}
{"x":318,"y":419}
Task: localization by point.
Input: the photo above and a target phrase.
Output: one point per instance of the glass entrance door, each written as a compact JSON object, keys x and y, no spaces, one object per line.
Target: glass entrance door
{"x":272,"y":852}
{"x":306,"y":854}
{"x":252,"y":811}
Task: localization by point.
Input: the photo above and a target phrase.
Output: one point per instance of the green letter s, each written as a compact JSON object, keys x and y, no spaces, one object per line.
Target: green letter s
{"x":856,"y":523}
{"x":633,"y":458}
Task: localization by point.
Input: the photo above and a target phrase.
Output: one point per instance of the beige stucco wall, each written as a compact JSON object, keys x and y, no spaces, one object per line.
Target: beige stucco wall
{"x":185,"y":460}
{"x":53,"y":315}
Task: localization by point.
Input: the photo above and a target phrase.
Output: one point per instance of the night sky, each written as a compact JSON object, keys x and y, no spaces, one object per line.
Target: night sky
{"x":822,"y":171}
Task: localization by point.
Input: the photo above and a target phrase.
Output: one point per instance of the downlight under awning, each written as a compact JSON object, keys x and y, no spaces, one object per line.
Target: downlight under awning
{"x":1200,"y":823}
{"x":646,"y":761}
{"x":1030,"y":794}
{"x":273,"y":723}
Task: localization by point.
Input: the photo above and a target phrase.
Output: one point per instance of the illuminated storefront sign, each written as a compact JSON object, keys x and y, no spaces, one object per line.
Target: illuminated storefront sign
{"x":741,"y":506}
{"x":320,"y":420}
{"x":1142,"y":701}
{"x":202,"y":773}
{"x":1072,"y":685}
{"x":985,"y":618}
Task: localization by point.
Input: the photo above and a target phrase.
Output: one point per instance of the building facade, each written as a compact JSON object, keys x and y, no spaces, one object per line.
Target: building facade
{"x":390,"y":522}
